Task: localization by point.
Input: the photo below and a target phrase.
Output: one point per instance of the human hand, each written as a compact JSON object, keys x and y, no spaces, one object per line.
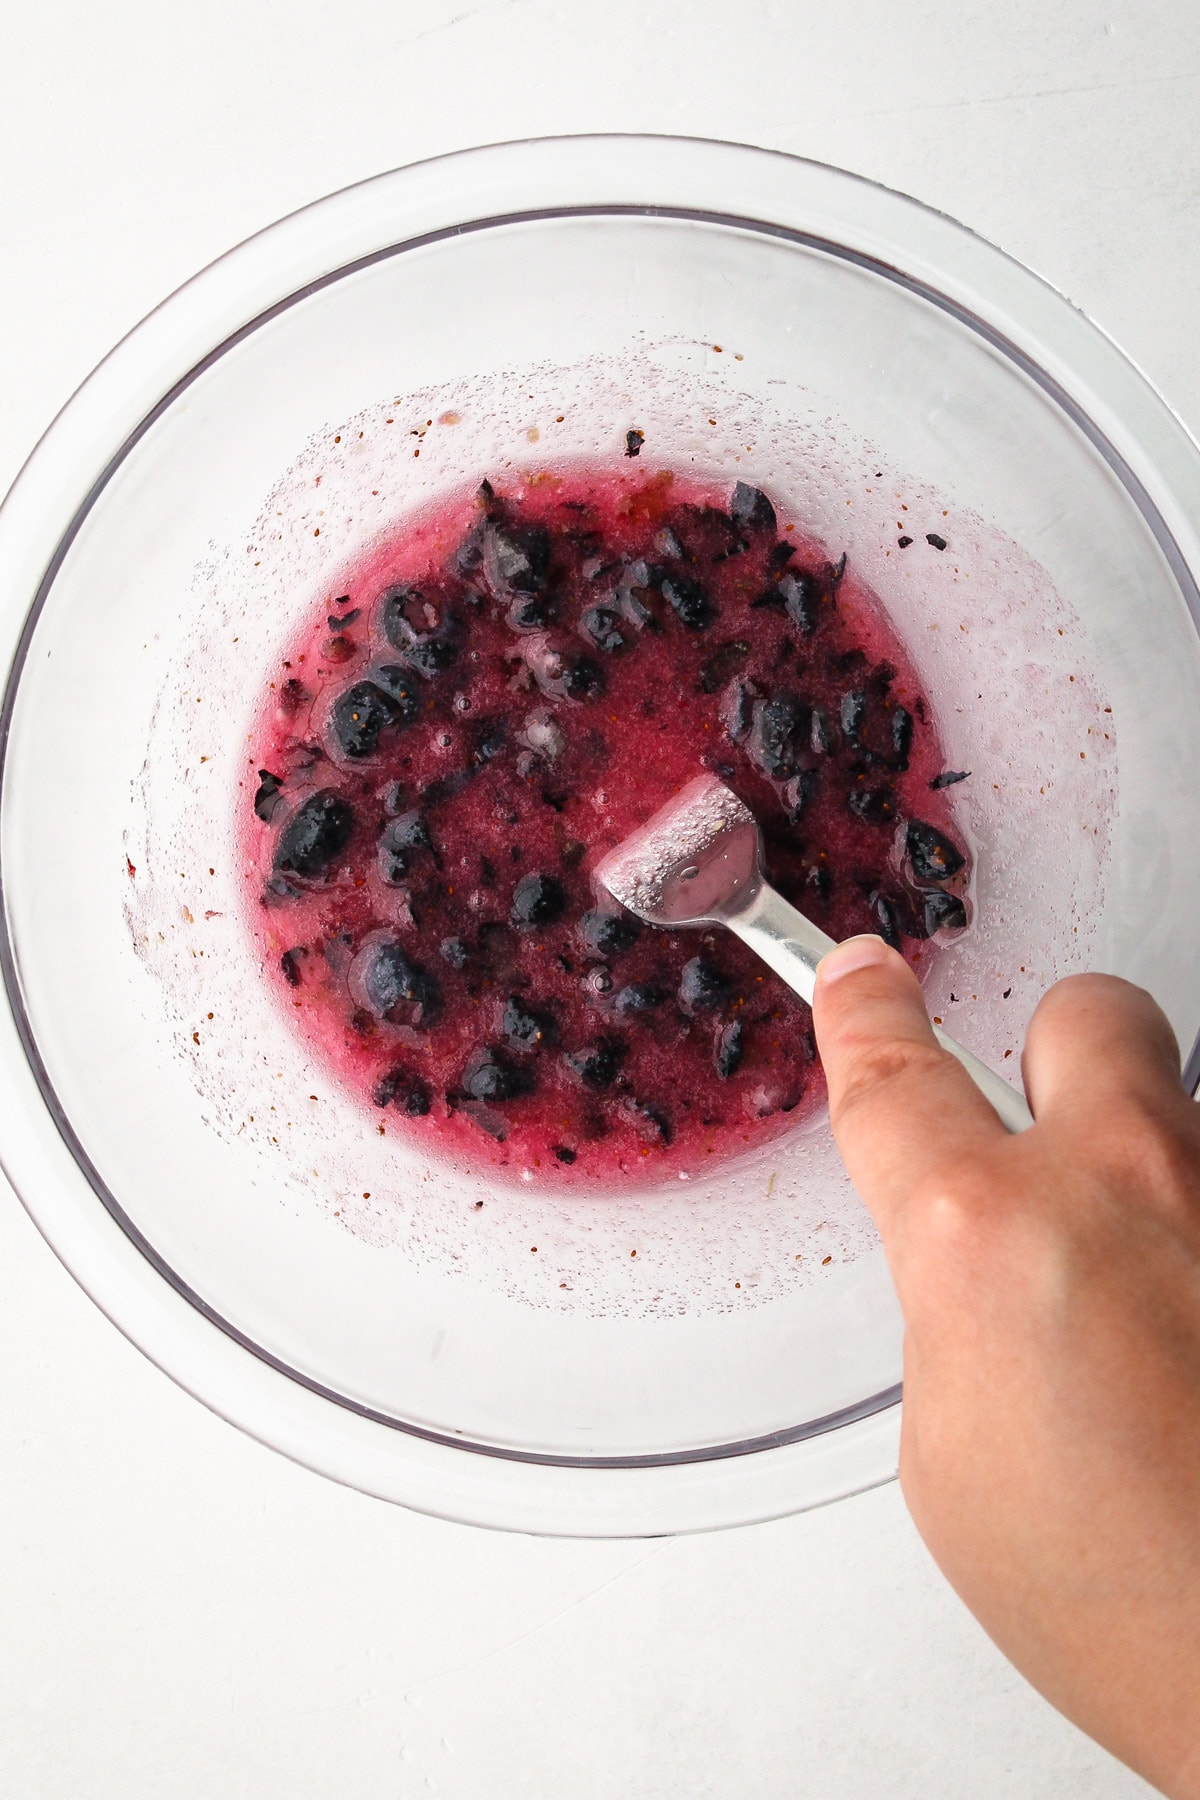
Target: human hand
{"x":1050,"y":1282}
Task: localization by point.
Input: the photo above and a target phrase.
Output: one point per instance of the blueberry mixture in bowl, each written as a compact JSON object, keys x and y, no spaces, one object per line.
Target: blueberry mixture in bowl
{"x":493,"y":697}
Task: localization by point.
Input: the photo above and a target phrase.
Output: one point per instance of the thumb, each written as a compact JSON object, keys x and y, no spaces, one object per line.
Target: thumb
{"x":901,"y":1107}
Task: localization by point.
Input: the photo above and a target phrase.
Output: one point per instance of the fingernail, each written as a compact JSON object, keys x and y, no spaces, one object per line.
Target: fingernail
{"x":854,"y":953}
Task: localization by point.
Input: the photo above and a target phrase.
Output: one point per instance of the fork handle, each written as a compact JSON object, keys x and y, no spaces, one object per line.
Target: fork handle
{"x":793,"y":946}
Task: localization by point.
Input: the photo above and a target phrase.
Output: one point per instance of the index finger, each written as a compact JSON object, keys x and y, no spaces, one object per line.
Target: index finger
{"x":902,"y":1108}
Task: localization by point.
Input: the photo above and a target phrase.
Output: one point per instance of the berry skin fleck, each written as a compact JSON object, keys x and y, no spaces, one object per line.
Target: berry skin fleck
{"x":932,"y":537}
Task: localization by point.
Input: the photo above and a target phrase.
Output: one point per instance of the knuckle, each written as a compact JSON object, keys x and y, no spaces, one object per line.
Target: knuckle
{"x":947,"y":1207}
{"x":1138,"y":1150}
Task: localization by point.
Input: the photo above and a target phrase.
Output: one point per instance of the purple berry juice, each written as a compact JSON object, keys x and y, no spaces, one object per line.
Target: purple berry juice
{"x":485,"y":704}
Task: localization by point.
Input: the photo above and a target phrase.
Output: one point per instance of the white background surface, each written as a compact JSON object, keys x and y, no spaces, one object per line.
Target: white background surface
{"x":183,"y":1613}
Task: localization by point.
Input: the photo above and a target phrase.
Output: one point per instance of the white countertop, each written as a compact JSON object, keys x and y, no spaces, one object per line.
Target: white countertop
{"x":182,"y":1612}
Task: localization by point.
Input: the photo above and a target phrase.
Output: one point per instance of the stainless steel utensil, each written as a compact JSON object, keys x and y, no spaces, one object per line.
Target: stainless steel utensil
{"x":698,"y":861}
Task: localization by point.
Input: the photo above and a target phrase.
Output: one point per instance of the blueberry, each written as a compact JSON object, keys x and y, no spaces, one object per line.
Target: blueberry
{"x":336,"y":624}
{"x":938,"y":542}
{"x":316,"y":833}
{"x":563,"y":1154}
{"x":410,"y":831}
{"x":795,"y":593}
{"x":532,"y":612}
{"x":737,"y":710}
{"x":638,"y":997}
{"x":724,"y":662}
{"x":609,"y":934}
{"x":490,"y":740}
{"x":799,"y":792}
{"x":692,"y":605}
{"x":819,"y":882}
{"x":853,"y":712}
{"x":401,"y":1088}
{"x":515,"y":560}
{"x":582,"y":678}
{"x":488,"y":1075}
{"x":446,"y":787}
{"x":633,"y":442}
{"x":292,"y":696}
{"x":290,"y":967}
{"x":391,"y":980}
{"x":391,"y":986}
{"x":886,"y":917}
{"x":800,"y":601}
{"x":779,"y":726}
{"x":821,"y":740}
{"x":730,"y":1048}
{"x":902,"y":736}
{"x":602,"y":625}
{"x":278,"y":888}
{"x":266,"y":798}
{"x":948,"y":777}
{"x":486,"y":1117}
{"x":400,"y":842}
{"x":874,"y":806}
{"x":649,"y":1113}
{"x":397,"y":683}
{"x":427,"y":647}
{"x":750,"y":509}
{"x":525,"y":1027}
{"x":453,"y":950}
{"x":598,"y":1065}
{"x":538,"y":900}
{"x":944,"y":912}
{"x":359,"y":716}
{"x":933,"y":856}
{"x":702,"y":985}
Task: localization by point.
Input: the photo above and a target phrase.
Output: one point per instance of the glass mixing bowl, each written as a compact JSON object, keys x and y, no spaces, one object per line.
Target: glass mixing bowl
{"x":511,"y":1362}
